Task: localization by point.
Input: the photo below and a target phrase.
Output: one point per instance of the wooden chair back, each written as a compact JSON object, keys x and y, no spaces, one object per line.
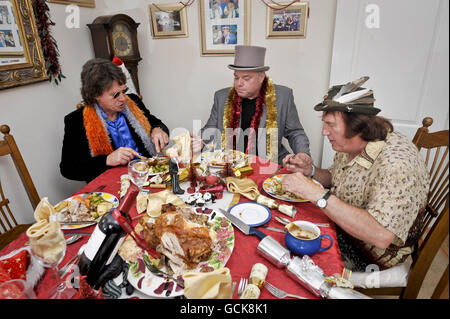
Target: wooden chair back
{"x":436,"y":147}
{"x":8,"y":146}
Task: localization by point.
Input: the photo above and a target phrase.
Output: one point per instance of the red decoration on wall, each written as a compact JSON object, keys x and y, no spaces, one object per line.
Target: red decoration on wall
{"x":48,"y":43}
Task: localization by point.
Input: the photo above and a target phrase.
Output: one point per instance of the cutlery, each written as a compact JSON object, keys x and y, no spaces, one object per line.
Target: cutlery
{"x":242,"y":285}
{"x":280,"y":230}
{"x":278,"y":292}
{"x":78,"y":233}
{"x":73,"y":239}
{"x":65,"y":269}
{"x":233,"y":289}
{"x":268,"y":247}
{"x":286,"y":221}
{"x":81,"y":222}
{"x":243,"y":227}
{"x":158,"y":271}
{"x":99,"y":188}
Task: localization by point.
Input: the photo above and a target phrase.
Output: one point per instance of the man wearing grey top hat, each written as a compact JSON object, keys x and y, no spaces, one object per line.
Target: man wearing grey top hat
{"x":378,"y":182}
{"x":254,"y":115}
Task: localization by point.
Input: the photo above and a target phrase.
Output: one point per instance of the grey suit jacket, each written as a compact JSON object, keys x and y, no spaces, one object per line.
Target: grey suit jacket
{"x":289,"y":125}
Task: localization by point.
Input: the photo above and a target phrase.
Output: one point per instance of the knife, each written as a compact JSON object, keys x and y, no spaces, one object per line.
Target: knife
{"x":81,"y":222}
{"x":243,"y":227}
{"x":280,"y":230}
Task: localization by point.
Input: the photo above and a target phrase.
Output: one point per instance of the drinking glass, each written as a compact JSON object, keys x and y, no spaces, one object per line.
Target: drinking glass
{"x":138,"y":171}
{"x":50,"y":258}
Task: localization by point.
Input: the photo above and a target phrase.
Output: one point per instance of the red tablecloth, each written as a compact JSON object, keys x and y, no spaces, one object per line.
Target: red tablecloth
{"x":244,"y":255}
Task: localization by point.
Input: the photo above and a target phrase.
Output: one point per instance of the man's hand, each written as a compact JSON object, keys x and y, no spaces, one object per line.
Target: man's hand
{"x":300,"y":162}
{"x":159,"y":138}
{"x":121,"y":156}
{"x":302,"y":186}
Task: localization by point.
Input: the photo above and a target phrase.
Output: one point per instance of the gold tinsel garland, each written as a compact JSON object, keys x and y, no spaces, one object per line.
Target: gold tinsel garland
{"x":271,"y":121}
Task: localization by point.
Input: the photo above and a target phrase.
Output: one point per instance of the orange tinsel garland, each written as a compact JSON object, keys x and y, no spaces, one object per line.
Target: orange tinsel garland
{"x":99,"y":141}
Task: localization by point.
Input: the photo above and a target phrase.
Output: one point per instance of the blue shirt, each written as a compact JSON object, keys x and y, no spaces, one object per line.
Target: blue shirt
{"x":119,"y":131}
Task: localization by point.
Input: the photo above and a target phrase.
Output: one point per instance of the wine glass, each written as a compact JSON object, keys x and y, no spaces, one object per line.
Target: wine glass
{"x":138,"y":171}
{"x":49,"y":254}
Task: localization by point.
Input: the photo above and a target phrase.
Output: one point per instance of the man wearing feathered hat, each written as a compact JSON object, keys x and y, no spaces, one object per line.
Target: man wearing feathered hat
{"x":254,"y":115}
{"x":378,"y":182}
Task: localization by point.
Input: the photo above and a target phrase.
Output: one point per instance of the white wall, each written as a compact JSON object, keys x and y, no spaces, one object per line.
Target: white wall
{"x":405,"y":54}
{"x":177,"y":84}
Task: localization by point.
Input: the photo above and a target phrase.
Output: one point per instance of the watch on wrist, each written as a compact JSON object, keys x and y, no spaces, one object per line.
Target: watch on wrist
{"x":322,"y":203}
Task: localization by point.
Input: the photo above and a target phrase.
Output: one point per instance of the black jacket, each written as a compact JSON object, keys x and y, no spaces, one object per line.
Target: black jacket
{"x":76,"y":160}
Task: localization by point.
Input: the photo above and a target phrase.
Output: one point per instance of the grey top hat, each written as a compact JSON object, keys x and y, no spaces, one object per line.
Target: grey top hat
{"x":349,"y":98}
{"x":249,"y":58}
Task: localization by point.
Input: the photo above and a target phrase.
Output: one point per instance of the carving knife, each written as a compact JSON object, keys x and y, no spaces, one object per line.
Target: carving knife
{"x":243,"y":227}
{"x":268,"y":247}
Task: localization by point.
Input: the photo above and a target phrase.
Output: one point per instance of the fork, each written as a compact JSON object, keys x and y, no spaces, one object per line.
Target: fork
{"x":242,"y":285}
{"x":279,"y":293}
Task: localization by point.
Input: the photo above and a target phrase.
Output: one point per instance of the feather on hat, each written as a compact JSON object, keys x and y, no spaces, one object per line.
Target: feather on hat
{"x":349,"y":98}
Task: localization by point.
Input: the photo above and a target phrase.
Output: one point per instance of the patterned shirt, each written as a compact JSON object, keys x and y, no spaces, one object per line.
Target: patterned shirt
{"x":389,"y":179}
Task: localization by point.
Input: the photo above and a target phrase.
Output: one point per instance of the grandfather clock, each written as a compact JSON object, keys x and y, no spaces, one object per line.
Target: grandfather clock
{"x":116,"y":35}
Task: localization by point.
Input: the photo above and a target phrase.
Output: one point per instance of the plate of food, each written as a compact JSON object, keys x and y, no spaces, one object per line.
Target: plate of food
{"x":186,"y":241}
{"x":272,"y":186}
{"x":158,"y":165}
{"x":253,"y":214}
{"x":85,"y":208}
{"x":219,"y":158}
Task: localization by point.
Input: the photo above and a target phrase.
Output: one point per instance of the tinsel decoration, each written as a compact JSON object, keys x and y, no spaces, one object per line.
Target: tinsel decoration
{"x":48,"y":43}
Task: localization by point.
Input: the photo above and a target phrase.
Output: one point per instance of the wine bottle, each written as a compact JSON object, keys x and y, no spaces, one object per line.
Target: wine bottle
{"x":105,"y":241}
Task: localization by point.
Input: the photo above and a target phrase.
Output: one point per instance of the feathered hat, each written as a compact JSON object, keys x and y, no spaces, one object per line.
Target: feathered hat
{"x":349,"y":98}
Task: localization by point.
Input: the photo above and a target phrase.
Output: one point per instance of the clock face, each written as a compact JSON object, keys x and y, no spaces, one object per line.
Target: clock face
{"x":122,"y":43}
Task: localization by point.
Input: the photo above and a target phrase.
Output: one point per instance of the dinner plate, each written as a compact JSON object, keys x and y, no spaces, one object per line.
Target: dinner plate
{"x":107,"y":196}
{"x":270,"y":184}
{"x":253,"y":214}
{"x":156,"y":286}
{"x":214,"y":158}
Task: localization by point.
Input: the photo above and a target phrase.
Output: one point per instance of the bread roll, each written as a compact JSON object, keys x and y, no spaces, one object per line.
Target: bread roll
{"x":251,"y":292}
{"x":258,"y":274}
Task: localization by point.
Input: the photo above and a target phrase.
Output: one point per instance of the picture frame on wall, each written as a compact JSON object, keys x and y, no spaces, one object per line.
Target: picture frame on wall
{"x":81,"y":3}
{"x":287,"y":21}
{"x":10,"y":35}
{"x":168,"y":20}
{"x":21,"y":57}
{"x":223,"y":25}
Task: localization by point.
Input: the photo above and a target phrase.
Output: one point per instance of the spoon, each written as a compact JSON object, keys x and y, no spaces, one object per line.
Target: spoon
{"x":286,"y":221}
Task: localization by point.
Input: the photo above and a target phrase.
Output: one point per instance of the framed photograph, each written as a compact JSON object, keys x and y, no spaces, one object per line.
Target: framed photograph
{"x":168,"y":20}
{"x":81,"y":3}
{"x":287,"y":22}
{"x":21,"y":58}
{"x":223,"y":25}
{"x":10,"y":41}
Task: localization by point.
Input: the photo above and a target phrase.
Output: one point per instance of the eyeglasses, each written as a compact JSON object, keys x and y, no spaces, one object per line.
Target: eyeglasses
{"x":117,"y":94}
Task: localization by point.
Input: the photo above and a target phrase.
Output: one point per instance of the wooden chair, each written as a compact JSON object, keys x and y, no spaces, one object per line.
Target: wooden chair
{"x":436,"y":146}
{"x":9,"y":228}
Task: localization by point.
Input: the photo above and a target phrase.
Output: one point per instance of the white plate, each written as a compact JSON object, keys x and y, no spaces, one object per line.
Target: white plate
{"x":253,"y":214}
{"x":155,"y":286}
{"x":269,"y":186}
{"x":107,"y":196}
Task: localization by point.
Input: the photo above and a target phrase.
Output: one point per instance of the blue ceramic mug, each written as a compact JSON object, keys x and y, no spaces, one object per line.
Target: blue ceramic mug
{"x":304,"y":238}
